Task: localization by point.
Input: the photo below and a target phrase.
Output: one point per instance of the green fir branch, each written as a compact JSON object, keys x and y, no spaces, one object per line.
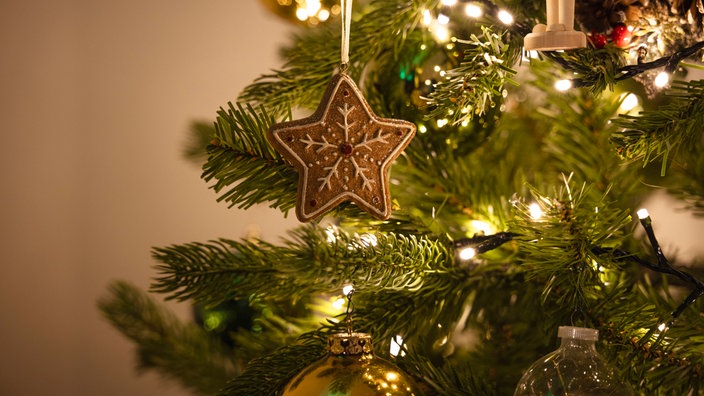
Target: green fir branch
{"x":246,"y":169}
{"x":213,"y":272}
{"x":315,"y":54}
{"x":176,"y":350}
{"x":268,"y":374}
{"x":477,"y":84}
{"x":662,"y":133}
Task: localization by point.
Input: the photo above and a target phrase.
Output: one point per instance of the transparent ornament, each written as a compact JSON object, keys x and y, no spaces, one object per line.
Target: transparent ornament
{"x":575,"y":368}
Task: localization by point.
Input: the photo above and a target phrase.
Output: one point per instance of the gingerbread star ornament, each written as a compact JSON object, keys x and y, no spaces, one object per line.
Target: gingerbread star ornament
{"x":342,"y":152}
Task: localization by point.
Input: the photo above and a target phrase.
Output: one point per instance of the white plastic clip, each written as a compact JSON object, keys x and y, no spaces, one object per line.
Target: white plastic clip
{"x":558,"y":33}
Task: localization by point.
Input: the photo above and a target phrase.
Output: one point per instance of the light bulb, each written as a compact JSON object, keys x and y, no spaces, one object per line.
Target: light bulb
{"x":629,"y":102}
{"x":473,"y":10}
{"x":467,"y":253}
{"x":505,"y":17}
{"x":563,"y":85}
{"x":449,"y":3}
{"x":535,"y":211}
{"x":642,"y":213}
{"x":662,"y":79}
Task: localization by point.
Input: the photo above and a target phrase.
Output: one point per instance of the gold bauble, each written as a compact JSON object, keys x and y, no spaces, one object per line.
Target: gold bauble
{"x":351,"y":369}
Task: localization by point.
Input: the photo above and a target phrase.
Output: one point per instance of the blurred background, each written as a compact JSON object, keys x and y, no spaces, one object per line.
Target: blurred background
{"x":96,"y":99}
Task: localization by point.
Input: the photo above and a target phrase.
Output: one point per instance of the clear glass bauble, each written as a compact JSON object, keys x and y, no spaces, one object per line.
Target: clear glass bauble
{"x":351,"y":369}
{"x":575,"y":368}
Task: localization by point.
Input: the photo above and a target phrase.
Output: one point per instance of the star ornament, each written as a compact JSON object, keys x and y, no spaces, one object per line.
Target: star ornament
{"x":342,"y":152}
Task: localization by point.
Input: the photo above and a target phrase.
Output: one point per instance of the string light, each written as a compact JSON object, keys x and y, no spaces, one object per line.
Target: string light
{"x":443,"y":19}
{"x":395,"y":347}
{"x":441,"y":33}
{"x":536,"y":213}
{"x":563,"y":85}
{"x":467,"y":253}
{"x":630,"y":101}
{"x":449,"y":3}
{"x":347,"y":290}
{"x":662,"y":79}
{"x":643,"y":214}
{"x":505,"y":17}
{"x":473,"y":10}
{"x":427,"y":18}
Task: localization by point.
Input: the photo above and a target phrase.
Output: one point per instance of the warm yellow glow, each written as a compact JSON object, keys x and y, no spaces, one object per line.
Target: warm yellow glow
{"x":347,"y":290}
{"x":391,"y":376}
{"x":630,"y":101}
{"x":442,"y":122}
{"x":301,"y":14}
{"x":449,"y":3}
{"x":443,"y":19}
{"x":339,"y":304}
{"x":427,"y":18}
{"x":481,"y":226}
{"x":563,"y":85}
{"x":505,"y":17}
{"x":467,"y":253}
{"x":312,"y":7}
{"x":662,"y":79}
{"x":536,"y":213}
{"x":422,"y":129}
{"x":323,"y":15}
{"x":473,"y":10}
{"x":395,"y":348}
{"x":642,"y":213}
{"x":441,"y":33}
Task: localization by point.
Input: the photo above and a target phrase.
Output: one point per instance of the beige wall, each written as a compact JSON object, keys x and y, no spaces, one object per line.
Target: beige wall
{"x":95,"y":101}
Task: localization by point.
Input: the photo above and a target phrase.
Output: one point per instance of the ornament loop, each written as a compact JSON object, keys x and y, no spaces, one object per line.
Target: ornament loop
{"x":346,"y":14}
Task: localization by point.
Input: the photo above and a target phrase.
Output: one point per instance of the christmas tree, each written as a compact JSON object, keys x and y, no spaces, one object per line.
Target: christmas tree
{"x":515,"y":208}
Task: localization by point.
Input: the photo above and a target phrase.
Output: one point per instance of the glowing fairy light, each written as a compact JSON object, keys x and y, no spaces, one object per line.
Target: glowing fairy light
{"x":422,"y":129}
{"x":467,"y":253}
{"x":505,"y":17}
{"x":662,"y":326}
{"x":441,"y":33}
{"x":312,"y":7}
{"x":473,"y":10}
{"x":642,"y":213}
{"x":629,"y":102}
{"x":347,"y":290}
{"x":662,"y":79}
{"x":481,"y":227}
{"x":323,"y":15}
{"x":442,"y":122}
{"x":301,"y":14}
{"x":449,"y":3}
{"x":536,"y":212}
{"x":395,"y":347}
{"x":443,"y":19}
{"x":563,"y":85}
{"x":427,"y":18}
{"x":339,"y":303}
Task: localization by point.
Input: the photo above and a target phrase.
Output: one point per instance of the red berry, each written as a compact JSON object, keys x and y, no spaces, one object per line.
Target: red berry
{"x":598,"y":40}
{"x":620,"y":35}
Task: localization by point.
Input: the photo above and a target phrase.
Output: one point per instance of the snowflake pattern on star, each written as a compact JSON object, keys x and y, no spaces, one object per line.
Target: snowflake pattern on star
{"x":342,"y":152}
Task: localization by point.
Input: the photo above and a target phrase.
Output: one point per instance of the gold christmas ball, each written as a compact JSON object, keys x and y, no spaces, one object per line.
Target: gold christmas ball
{"x":351,"y":369}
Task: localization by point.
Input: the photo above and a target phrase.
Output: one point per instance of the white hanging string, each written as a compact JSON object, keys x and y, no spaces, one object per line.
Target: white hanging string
{"x":346,"y":14}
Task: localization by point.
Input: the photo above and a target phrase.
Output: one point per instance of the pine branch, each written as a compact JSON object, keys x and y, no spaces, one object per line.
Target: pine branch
{"x":476,"y":84}
{"x":315,"y":55}
{"x":247,"y":170}
{"x":662,"y":133}
{"x":212,"y":272}
{"x":179,"y":351}
{"x":267,"y":375}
